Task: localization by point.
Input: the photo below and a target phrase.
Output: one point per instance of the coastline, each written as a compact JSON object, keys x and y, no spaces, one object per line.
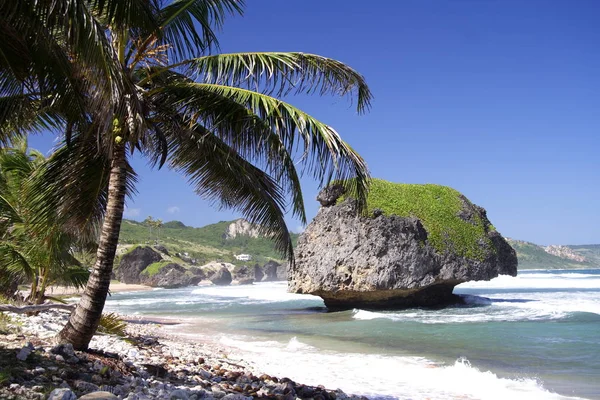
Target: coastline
{"x":152,"y":362}
{"x":115,"y":287}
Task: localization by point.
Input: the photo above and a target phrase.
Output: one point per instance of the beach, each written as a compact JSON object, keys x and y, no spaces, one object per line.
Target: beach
{"x":530,"y":337}
{"x":115,"y":287}
{"x":151,"y":363}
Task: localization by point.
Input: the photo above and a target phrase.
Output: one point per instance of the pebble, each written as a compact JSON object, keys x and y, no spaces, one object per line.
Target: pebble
{"x":142,"y":372}
{"x":62,"y":394}
{"x":24,"y":353}
{"x":98,"y":396}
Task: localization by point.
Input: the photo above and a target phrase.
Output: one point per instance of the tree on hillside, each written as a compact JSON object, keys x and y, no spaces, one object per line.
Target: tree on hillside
{"x":149,"y":222}
{"x":37,"y":257}
{"x":119,"y":77}
{"x":158,"y":224}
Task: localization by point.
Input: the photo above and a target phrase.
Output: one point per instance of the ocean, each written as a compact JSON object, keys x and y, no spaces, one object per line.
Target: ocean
{"x":536,"y":336}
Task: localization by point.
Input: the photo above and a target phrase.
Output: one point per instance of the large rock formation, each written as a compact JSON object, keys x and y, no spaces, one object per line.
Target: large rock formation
{"x":172,"y":276}
{"x":564,"y":252}
{"x":222,"y":277}
{"x":410,"y":248}
{"x":241,"y":227}
{"x":135,"y":262}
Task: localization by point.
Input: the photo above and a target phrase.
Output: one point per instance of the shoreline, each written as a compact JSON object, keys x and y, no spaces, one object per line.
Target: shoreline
{"x":152,"y":362}
{"x":115,"y":287}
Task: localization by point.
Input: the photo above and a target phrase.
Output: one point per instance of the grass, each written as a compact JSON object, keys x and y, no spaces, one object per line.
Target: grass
{"x":438,"y":208}
{"x":154,"y":268}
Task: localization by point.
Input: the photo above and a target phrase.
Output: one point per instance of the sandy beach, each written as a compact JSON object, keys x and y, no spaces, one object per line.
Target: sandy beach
{"x":115,"y":287}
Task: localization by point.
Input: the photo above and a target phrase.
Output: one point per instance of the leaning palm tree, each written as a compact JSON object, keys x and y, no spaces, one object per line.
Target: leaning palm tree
{"x":140,"y":76}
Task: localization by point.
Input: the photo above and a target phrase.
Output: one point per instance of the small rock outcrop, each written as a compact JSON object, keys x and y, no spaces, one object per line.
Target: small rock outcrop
{"x":172,"y":276}
{"x":198,"y":272}
{"x":382,"y":260}
{"x":244,"y":275}
{"x":222,"y":277}
{"x":135,"y":262}
{"x":162,"y":249}
{"x":242,"y":272}
{"x":273,"y":271}
{"x":258,"y":273}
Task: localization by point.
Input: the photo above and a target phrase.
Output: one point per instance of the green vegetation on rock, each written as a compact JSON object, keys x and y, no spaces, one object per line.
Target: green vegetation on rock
{"x":154,"y":268}
{"x":438,"y":207}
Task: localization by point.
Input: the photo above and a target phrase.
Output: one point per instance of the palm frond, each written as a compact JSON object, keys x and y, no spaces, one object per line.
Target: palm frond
{"x":325,"y":155}
{"x":49,"y":36}
{"x":72,"y":187}
{"x":254,"y":139}
{"x":218,"y":173}
{"x":72,"y":276}
{"x":112,"y":324}
{"x":8,"y":211}
{"x":281,"y":73}
{"x":14,"y":262}
{"x":139,"y":15}
{"x":180,"y":20}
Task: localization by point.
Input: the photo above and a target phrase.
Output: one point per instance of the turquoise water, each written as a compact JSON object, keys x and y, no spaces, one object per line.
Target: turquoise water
{"x":533,"y":336}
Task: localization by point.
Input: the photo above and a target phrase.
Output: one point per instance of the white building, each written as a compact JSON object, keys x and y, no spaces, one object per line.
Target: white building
{"x":243,"y":257}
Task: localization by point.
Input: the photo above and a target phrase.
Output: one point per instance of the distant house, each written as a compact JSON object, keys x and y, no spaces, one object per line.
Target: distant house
{"x":243,"y":257}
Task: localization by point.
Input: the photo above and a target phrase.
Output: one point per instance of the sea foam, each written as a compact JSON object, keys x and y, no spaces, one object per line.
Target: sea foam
{"x":379,"y":376}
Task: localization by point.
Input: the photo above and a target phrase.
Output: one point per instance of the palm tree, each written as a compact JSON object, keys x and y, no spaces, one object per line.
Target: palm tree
{"x":139,"y":76}
{"x":39,"y":257}
{"x":149,"y":222}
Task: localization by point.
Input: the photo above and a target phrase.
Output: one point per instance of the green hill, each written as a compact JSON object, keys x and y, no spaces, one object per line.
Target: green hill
{"x":205,"y":244}
{"x":590,"y":251}
{"x":532,"y":256}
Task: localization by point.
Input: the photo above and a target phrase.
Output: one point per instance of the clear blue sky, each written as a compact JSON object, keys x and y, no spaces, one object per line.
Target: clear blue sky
{"x":499,"y":99}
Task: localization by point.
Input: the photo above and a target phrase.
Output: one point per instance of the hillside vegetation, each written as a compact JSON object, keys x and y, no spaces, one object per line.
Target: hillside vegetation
{"x":590,"y":251}
{"x":532,"y":256}
{"x":205,"y":244}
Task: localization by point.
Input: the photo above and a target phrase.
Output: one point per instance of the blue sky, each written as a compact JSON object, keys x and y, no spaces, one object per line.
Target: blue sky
{"x":498,"y":99}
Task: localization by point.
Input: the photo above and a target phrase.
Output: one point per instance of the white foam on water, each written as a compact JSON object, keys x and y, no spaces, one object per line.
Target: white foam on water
{"x":499,"y":307}
{"x":257,"y":293}
{"x":570,"y":280}
{"x":383,"y":376}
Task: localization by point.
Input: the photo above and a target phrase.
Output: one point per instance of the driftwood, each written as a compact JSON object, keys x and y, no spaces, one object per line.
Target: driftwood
{"x":35,"y":308}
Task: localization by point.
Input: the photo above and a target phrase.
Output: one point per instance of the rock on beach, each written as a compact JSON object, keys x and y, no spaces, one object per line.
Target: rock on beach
{"x":381,"y":260}
{"x":152,"y":364}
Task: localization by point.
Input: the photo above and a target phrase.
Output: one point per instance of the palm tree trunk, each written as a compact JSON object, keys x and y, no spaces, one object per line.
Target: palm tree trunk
{"x":33,"y":290}
{"x":85,"y":319}
{"x":41,"y":294}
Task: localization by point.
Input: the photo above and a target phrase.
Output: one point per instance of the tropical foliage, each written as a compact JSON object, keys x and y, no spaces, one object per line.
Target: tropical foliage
{"x":129,"y":76}
{"x":37,"y":257}
{"x":153,"y":224}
